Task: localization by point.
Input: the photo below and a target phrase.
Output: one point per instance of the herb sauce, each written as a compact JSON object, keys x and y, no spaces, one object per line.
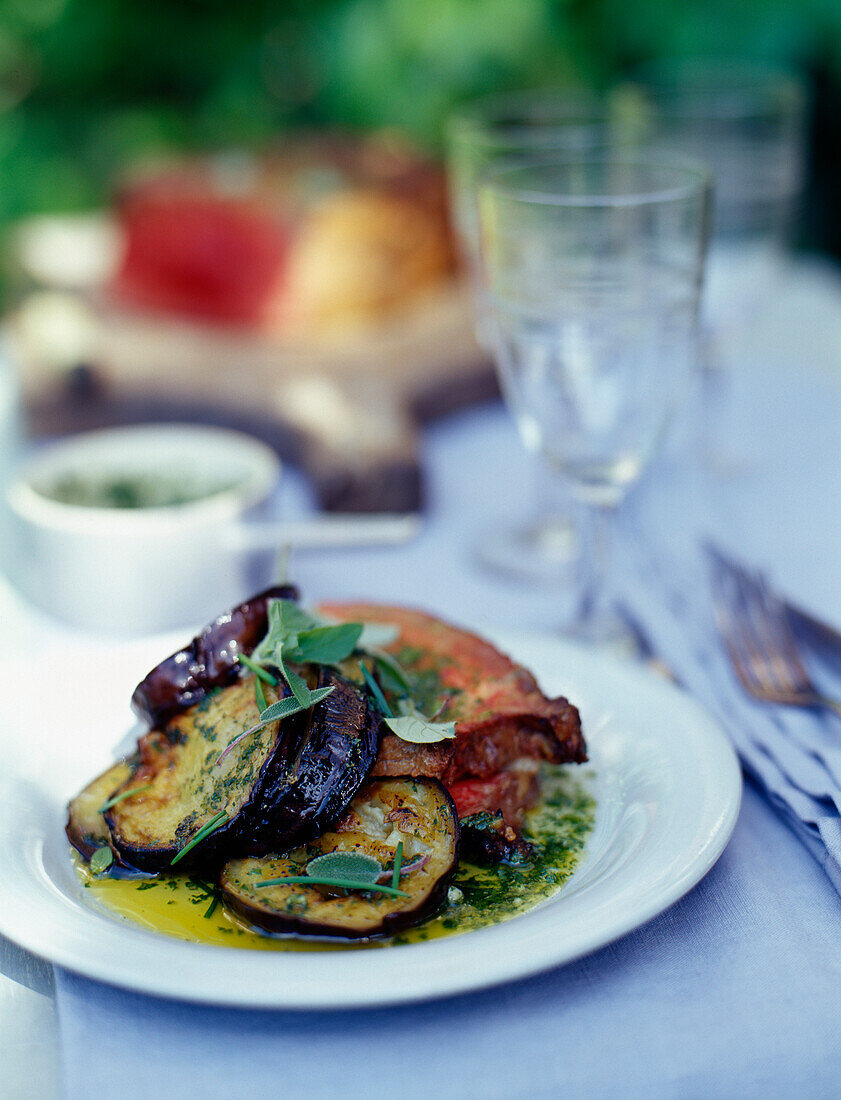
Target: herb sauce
{"x":132,"y":490}
{"x":188,"y":907}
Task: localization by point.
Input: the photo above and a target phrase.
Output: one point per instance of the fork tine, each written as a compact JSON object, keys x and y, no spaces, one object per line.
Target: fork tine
{"x":771,"y":667}
{"x":783,"y":633}
{"x":771,"y":634}
{"x":726,"y":598}
{"x":758,"y":636}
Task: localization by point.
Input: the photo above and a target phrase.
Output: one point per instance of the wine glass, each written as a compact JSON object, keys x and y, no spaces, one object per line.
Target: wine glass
{"x":505,"y":129}
{"x":746,"y":120}
{"x":591,"y":280}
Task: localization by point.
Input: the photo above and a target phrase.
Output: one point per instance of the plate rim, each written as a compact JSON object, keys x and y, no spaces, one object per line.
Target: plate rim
{"x":166,"y":982}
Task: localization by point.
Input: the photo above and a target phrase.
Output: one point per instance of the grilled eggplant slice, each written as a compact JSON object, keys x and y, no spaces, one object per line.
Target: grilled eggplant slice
{"x":188,"y":788}
{"x":86,"y":828}
{"x":418,"y":812}
{"x":282,"y":785}
{"x":208,"y":662}
{"x":338,"y":744}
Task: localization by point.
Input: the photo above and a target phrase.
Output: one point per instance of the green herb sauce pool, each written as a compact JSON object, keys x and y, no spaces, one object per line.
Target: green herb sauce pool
{"x":187,"y":907}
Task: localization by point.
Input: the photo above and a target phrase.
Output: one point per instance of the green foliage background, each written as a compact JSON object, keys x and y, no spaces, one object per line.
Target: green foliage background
{"x":88,"y":85}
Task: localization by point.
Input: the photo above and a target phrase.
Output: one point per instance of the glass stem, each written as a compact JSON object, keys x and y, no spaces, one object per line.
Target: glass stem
{"x":595,"y":606}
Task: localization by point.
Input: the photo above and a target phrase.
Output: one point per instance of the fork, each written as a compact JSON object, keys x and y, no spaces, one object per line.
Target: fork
{"x":762,"y":648}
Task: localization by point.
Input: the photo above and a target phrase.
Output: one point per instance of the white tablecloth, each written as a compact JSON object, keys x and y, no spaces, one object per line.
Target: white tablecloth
{"x":732,"y":992}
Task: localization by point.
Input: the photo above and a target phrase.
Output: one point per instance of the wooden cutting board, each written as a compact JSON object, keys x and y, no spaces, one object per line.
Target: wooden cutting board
{"x":347,"y":407}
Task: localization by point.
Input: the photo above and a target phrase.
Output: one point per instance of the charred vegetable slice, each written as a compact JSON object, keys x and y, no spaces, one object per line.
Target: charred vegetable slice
{"x":338,"y":743}
{"x":187,"y":789}
{"x":86,"y":828}
{"x":209,"y":661}
{"x":417,"y":812}
{"x":282,"y":784}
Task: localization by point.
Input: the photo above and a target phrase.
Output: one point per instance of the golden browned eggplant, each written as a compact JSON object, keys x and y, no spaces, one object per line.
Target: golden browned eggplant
{"x":281,"y":785}
{"x":417,"y":812}
{"x":86,"y":828}
{"x":188,"y":788}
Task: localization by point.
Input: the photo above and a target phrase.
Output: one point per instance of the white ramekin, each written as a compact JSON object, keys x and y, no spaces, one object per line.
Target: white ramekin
{"x":139,"y":570}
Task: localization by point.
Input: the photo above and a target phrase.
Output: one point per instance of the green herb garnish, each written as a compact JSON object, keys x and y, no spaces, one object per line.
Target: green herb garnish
{"x":416,"y":728}
{"x":119,"y":797}
{"x":398,"y":863}
{"x":376,"y":691}
{"x":211,"y":909}
{"x":205,"y":831}
{"x":101,"y":860}
{"x":258,"y":670}
{"x":260,"y":695}
{"x":354,"y":866}
{"x":281,"y":709}
{"x":297,"y":684}
{"x":327,"y":645}
{"x":392,"y":675}
{"x":318,"y":880}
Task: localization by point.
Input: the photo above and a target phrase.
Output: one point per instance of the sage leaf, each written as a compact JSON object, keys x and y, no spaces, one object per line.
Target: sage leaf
{"x":297,"y":684}
{"x":353,"y":866}
{"x":286,"y":621}
{"x":327,"y":645}
{"x":284,"y":707}
{"x":101,"y":860}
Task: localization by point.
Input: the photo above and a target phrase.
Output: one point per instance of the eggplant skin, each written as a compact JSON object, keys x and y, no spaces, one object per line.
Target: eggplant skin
{"x":208,"y":661}
{"x":284,"y":784}
{"x":188,"y":788}
{"x":418,"y":811}
{"x":86,"y":827}
{"x":486,"y":838}
{"x":339,"y":742}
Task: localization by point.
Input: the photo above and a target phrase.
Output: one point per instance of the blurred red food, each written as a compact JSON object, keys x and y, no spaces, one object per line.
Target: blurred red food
{"x":200,"y":255}
{"x":327,"y":231}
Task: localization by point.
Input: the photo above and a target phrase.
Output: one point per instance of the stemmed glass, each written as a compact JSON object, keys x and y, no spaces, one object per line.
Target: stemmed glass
{"x":506,"y":129}
{"x":746,"y":121}
{"x":591,"y":273}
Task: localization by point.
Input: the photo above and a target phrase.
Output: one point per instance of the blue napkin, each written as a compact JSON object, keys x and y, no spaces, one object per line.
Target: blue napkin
{"x":793,"y":754}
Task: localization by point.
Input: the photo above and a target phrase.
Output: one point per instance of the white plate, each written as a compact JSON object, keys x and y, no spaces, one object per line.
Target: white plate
{"x":667,"y":785}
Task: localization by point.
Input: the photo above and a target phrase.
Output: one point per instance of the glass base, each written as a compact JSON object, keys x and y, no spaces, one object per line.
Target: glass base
{"x":605,"y":628}
{"x":542,"y":551}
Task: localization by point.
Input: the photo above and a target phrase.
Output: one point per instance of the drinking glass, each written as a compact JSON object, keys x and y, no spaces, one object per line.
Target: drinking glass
{"x":746,"y":121}
{"x":592,"y":273}
{"x":506,"y":129}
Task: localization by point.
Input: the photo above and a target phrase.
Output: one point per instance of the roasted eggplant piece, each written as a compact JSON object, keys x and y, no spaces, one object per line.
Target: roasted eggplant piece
{"x":485,"y":838}
{"x":208,"y":662}
{"x":338,"y":743}
{"x":418,"y":812}
{"x":282,"y":785}
{"x":188,"y":788}
{"x":86,"y":828}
